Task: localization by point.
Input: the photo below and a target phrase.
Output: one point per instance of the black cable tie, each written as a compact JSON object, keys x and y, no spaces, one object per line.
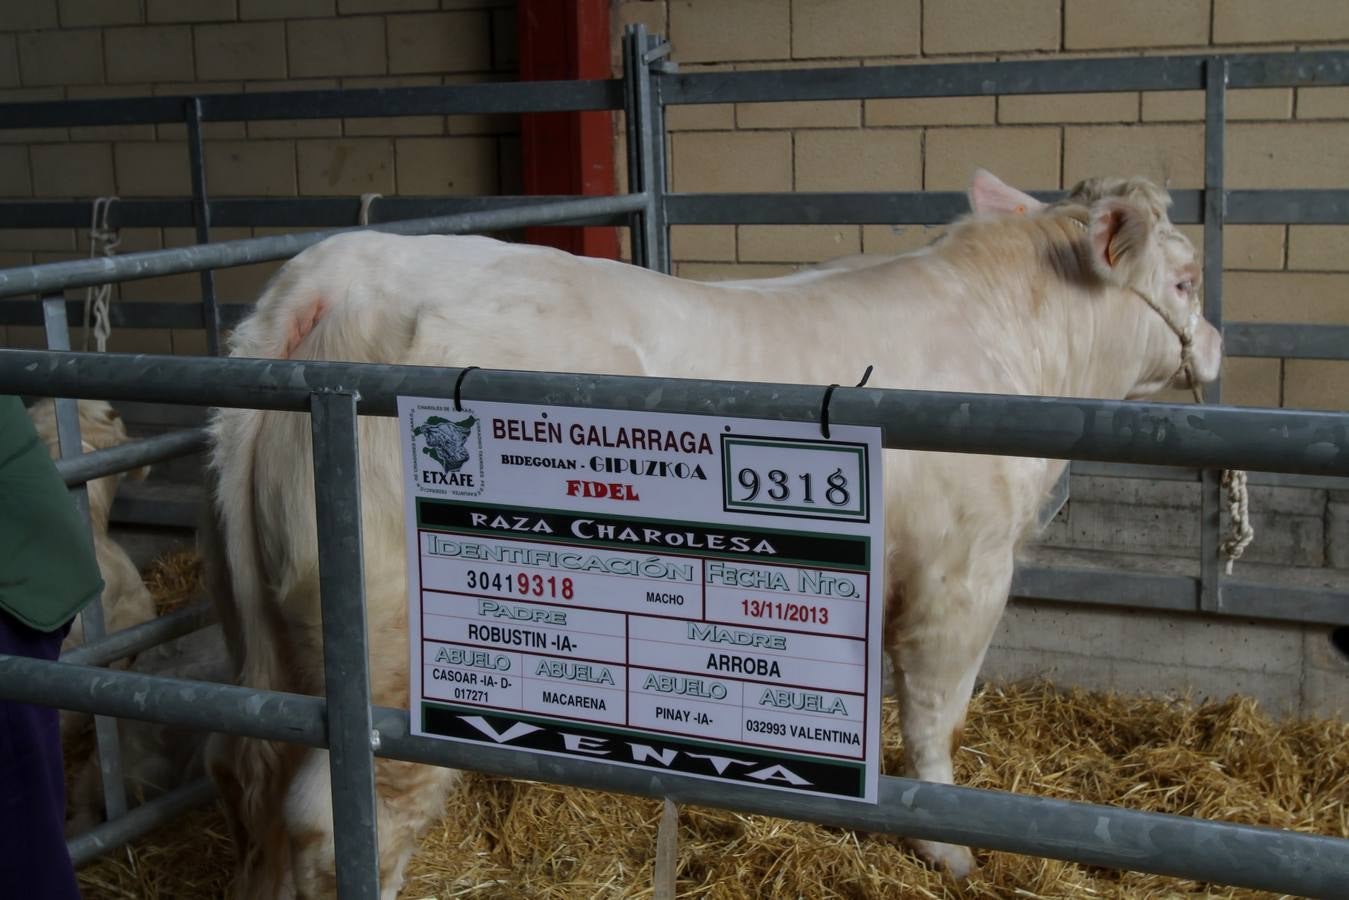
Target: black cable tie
{"x":459,"y":381}
{"x":828,"y":395}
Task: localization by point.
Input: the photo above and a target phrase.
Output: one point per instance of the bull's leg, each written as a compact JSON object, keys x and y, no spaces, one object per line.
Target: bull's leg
{"x":940,"y":628}
{"x":309,"y":828}
{"x":411,"y":796}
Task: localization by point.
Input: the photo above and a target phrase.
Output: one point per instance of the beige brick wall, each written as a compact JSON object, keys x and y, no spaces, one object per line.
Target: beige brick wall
{"x":1280,"y":137}
{"x":74,"y":49}
{"x":59,"y":49}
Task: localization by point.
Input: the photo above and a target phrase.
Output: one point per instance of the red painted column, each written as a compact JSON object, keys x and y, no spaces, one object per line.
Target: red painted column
{"x":567,"y":152}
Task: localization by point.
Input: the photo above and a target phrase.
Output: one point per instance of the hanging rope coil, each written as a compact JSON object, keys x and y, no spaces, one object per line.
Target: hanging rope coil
{"x":1241,"y":533}
{"x":367,"y":200}
{"x":98,"y":299}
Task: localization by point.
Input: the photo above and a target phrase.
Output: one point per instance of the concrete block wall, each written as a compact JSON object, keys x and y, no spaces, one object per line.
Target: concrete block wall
{"x":1277,"y":138}
{"x":76,"y":49}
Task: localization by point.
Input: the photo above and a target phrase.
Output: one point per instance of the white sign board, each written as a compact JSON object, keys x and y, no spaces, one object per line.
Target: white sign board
{"x":694,"y":594}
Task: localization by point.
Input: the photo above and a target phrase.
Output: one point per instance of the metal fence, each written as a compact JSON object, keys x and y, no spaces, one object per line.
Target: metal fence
{"x":648,"y":87}
{"x":1205,"y":438}
{"x":335,"y":393}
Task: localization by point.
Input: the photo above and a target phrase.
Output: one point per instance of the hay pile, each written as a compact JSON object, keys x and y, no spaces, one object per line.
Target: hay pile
{"x":503,"y":839}
{"x":500,"y":839}
{"x":173,"y":580}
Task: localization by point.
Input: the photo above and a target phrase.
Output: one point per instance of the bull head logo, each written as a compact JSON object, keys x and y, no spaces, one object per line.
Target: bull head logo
{"x":445,"y":440}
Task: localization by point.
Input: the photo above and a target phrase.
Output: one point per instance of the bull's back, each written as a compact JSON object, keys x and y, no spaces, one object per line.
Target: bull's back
{"x":455,"y":301}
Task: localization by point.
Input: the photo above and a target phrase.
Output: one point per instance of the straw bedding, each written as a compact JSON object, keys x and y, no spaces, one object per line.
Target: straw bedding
{"x":1216,"y":759}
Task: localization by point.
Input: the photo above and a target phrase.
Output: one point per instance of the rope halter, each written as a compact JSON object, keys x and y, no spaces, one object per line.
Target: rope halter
{"x":1240,"y":531}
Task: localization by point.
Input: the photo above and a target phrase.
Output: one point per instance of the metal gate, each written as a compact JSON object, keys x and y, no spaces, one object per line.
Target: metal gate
{"x":1206,"y":438}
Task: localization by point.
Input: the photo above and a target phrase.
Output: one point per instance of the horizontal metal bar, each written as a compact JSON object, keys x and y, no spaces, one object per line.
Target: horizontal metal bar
{"x":1161,"y":73}
{"x":1156,"y":73}
{"x":1180,"y":473}
{"x":1180,"y":593}
{"x":267,"y":212}
{"x":199,"y":705}
{"x":1211,"y":851}
{"x":1286,"y":340}
{"x":1129,"y":470}
{"x":436,"y":100}
{"x":1306,"y":482}
{"x":139,"y":821}
{"x":156,"y":511}
{"x":183,"y":313}
{"x":1092,"y":834}
{"x":152,"y":263}
{"x":891,"y":208}
{"x":1284,"y":603}
{"x":1140,"y":590}
{"x":128,"y":213}
{"x":133,"y":455}
{"x":1300,"y":69}
{"x":1320,"y":206}
{"x":1316,"y":207}
{"x":443,"y":100}
{"x":1278,"y":440}
{"x":130,"y":641}
{"x":882,"y":208}
{"x":110,"y":111}
{"x":888,"y":208}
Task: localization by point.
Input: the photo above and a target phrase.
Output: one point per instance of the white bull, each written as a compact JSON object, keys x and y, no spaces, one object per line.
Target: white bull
{"x":1093,"y":297}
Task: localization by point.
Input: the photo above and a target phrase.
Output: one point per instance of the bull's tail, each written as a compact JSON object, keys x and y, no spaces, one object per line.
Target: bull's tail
{"x":320,"y":305}
{"x":250,"y":774}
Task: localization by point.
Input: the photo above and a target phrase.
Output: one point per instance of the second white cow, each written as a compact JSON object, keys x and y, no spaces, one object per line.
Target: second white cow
{"x":1096,"y":296}
{"x":126,"y":600}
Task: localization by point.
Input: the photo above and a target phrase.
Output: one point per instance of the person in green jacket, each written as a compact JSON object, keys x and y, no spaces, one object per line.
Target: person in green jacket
{"x":48,"y":573}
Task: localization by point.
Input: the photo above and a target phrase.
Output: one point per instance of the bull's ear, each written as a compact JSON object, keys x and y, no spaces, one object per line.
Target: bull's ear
{"x":1119,"y":235}
{"x":990,"y":194}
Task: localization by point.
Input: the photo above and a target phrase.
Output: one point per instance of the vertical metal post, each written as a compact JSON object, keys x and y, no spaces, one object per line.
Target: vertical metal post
{"x":1215,"y":211}
{"x":337,"y":501}
{"x":659,"y":183}
{"x":646,"y":153}
{"x":201,"y":213}
{"x":91,"y":617}
{"x":632,"y":52}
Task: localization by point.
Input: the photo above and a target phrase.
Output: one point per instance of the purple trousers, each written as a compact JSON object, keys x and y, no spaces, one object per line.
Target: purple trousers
{"x":33,"y":858}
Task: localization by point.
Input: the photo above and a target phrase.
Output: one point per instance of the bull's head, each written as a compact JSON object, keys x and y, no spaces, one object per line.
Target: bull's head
{"x":1134,"y":246}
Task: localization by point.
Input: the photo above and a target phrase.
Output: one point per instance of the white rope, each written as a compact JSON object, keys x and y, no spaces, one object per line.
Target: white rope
{"x":97,"y":300}
{"x":366,"y":201}
{"x":1240,"y":531}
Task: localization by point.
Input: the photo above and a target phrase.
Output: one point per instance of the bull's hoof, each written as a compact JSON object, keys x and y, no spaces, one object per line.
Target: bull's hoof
{"x":955,"y":859}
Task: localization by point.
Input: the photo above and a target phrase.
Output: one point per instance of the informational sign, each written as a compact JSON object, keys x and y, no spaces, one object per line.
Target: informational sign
{"x":684,"y":593}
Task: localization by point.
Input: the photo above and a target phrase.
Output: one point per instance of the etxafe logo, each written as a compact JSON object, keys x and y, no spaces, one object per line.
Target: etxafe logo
{"x":455,"y":448}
